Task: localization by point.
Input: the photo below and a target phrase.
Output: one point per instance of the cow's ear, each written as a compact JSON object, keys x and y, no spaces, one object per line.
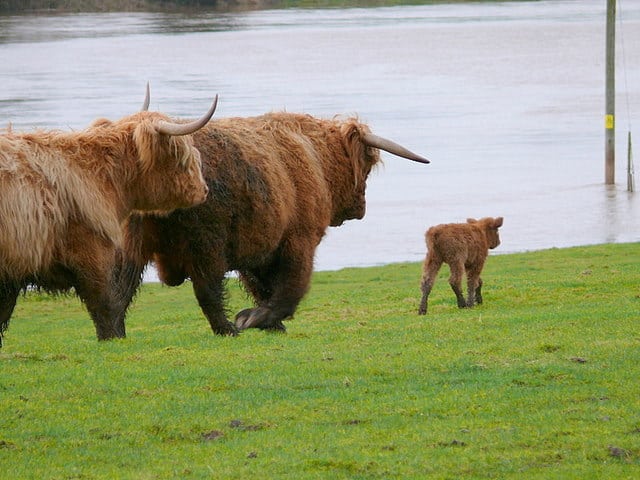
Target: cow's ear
{"x":497,"y":223}
{"x":471,"y":220}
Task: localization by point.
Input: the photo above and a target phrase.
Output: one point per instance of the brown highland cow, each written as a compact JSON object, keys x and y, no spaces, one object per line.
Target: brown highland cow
{"x":276,"y":183}
{"x":464,"y":247}
{"x":65,"y":196}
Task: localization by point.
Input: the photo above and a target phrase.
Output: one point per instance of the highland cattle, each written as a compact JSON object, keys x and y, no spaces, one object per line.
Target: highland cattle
{"x":276,"y":183}
{"x":65,"y":196}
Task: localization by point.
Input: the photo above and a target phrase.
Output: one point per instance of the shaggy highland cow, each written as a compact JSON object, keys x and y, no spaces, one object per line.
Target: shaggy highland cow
{"x":66,"y":195}
{"x":276,"y":183}
{"x":464,"y":247}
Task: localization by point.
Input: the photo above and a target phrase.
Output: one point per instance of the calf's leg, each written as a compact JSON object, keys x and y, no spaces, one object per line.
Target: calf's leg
{"x":479,"y":292}
{"x":455,"y":280}
{"x":430,"y":270}
{"x":473,"y":284}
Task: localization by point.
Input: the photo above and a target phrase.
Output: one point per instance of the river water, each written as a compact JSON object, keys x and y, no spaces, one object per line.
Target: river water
{"x":505,"y":98}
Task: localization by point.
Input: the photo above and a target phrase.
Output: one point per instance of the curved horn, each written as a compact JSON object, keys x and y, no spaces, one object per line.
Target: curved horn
{"x":392,"y":147}
{"x":147,"y":100}
{"x":170,"y":128}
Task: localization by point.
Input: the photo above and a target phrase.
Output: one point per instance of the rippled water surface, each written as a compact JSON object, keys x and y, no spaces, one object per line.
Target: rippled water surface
{"x":506,"y":99}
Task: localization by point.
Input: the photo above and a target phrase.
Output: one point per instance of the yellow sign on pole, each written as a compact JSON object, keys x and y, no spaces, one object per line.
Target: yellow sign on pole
{"x":608,"y":122}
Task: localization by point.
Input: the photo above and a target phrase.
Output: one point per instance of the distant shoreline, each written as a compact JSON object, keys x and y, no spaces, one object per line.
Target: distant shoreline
{"x":80,"y":6}
{"x":93,"y":6}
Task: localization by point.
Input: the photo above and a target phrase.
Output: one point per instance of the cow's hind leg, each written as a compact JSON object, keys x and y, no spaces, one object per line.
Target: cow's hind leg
{"x":431,"y":267}
{"x":287,"y":280}
{"x":455,"y":280}
{"x":479,"y":292}
{"x":474,"y":284}
{"x":8,"y":298}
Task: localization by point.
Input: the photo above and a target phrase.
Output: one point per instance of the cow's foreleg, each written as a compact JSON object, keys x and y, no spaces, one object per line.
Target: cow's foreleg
{"x":92,"y":260}
{"x":288,"y":281}
{"x":127,"y":278}
{"x":101,"y":304}
{"x":209,"y":291}
{"x":8,"y":299}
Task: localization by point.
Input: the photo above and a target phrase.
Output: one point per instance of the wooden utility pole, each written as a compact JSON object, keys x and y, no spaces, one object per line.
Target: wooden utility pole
{"x":610,"y":109}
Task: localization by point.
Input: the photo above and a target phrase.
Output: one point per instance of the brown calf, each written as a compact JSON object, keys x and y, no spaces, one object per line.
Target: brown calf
{"x":464,"y":247}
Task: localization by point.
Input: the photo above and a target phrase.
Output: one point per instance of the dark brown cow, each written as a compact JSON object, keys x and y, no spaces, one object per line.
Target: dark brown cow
{"x":276,"y":183}
{"x":66,"y":195}
{"x":464,"y":247}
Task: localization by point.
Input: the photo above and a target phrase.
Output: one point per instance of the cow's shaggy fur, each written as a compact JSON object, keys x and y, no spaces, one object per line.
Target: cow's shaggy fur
{"x":276,"y":183}
{"x":65,"y":196}
{"x":464,"y":247}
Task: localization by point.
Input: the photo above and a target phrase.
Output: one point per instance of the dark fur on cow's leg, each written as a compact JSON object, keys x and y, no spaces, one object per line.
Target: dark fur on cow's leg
{"x":127,"y":278}
{"x":290,"y":274}
{"x":210,"y":295}
{"x":8,"y":298}
{"x":426,"y":290}
{"x":257,"y":284}
{"x":101,"y":306}
{"x":100,"y":303}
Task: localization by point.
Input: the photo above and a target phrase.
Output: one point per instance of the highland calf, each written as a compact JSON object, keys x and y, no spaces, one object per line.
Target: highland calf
{"x":66,"y":195}
{"x":464,"y":247}
{"x":276,"y":183}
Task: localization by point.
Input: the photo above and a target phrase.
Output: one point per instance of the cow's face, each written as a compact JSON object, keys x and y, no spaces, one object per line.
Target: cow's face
{"x":361,"y":159}
{"x":165,"y":170}
{"x":170,"y":169}
{"x":490,"y":227}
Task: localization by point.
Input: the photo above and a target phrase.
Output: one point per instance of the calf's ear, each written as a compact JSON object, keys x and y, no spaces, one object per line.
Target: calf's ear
{"x":471,"y":220}
{"x":497,"y":223}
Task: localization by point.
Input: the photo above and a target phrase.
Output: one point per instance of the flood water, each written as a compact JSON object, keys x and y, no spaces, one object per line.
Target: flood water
{"x":506,"y":99}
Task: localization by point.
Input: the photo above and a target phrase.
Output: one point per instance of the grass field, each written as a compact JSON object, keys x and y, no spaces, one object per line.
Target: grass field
{"x":540,"y":382}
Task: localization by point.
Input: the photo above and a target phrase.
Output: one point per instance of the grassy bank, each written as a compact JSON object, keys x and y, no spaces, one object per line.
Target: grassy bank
{"x":539,"y":382}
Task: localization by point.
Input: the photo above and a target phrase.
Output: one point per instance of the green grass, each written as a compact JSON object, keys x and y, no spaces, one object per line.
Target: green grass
{"x":539,"y":382}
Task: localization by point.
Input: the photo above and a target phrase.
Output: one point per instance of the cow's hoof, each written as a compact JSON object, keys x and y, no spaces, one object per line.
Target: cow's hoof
{"x":258,"y":318}
{"x":227,"y":329}
{"x":251,"y":318}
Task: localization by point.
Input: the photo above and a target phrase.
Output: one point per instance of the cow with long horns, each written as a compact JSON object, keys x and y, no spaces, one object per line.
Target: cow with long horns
{"x":66,"y":195}
{"x":276,"y":182}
